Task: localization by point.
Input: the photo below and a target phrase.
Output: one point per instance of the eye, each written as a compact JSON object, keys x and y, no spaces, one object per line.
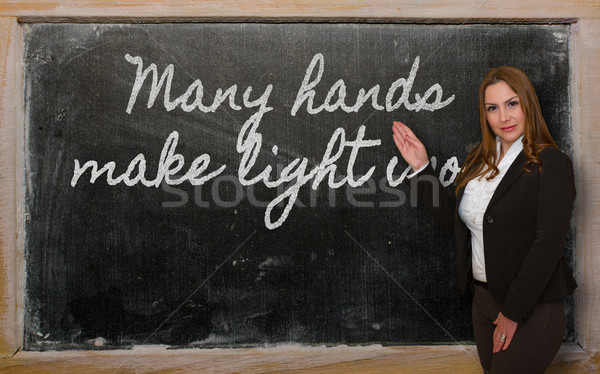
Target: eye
{"x":513,"y":104}
{"x":491,"y":108}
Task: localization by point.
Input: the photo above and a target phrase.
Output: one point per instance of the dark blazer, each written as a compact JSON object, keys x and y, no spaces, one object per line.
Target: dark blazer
{"x":524,"y":231}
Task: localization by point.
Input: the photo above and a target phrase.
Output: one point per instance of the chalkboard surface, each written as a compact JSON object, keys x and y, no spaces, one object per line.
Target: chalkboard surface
{"x":235,"y":184}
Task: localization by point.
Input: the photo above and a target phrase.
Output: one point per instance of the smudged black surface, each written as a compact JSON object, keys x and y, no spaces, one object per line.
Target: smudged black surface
{"x":114,"y":262}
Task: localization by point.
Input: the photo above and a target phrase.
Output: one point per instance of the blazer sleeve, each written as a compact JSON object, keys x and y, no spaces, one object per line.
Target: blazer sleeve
{"x":438,"y":200}
{"x":556,"y":193}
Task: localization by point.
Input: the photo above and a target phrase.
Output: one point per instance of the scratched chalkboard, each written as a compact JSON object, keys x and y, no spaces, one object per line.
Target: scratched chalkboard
{"x":236,"y":184}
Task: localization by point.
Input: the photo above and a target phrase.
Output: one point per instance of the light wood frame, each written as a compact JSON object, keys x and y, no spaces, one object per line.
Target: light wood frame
{"x":585,"y":83}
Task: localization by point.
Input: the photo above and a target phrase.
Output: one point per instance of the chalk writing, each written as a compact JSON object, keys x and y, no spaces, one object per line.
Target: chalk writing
{"x":297,"y":173}
{"x":169,"y":165}
{"x":306,"y":93}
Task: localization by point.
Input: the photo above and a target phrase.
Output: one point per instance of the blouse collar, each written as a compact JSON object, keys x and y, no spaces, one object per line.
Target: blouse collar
{"x":513,"y":151}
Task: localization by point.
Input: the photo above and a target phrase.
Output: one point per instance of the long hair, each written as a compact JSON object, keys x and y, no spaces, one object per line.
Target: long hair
{"x":536,"y":137}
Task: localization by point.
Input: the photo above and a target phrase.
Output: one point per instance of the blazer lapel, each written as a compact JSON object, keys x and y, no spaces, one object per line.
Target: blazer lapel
{"x":512,"y":174}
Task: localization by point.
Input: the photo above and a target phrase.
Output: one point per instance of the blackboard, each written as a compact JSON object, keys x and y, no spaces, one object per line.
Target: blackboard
{"x":199,"y":258}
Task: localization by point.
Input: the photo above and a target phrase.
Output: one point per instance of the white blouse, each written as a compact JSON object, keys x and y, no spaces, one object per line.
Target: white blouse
{"x":477,"y":196}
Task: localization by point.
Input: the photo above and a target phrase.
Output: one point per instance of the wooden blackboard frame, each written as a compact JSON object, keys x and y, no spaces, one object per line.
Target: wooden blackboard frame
{"x":584,"y":16}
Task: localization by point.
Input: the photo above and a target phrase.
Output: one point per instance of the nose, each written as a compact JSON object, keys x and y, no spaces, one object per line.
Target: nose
{"x":504,"y":116}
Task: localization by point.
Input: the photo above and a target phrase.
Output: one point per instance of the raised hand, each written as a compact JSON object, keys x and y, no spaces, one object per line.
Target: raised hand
{"x":411,"y":148}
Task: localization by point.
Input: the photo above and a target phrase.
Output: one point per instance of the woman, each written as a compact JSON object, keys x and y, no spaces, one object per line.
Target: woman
{"x":510,"y":216}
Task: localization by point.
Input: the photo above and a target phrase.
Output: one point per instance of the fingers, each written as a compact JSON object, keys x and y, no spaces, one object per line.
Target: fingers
{"x":501,"y":344}
{"x":400,"y":144}
{"x":398,"y":137}
{"x":405,"y":129}
{"x":407,"y":135}
{"x":399,"y":133}
{"x":399,"y":129}
{"x":412,"y":150}
{"x":401,"y":141}
{"x":507,"y":342}
{"x":498,"y":342}
{"x":503,"y":333}
{"x":402,"y":131}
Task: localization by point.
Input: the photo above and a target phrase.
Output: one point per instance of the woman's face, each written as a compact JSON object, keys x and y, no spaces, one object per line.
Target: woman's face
{"x":504,"y":113}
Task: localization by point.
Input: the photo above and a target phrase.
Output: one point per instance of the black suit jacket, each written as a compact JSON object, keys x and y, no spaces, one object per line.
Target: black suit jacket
{"x":524,"y":231}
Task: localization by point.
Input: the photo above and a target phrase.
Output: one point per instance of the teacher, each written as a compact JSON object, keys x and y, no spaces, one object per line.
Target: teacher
{"x":510,"y":215}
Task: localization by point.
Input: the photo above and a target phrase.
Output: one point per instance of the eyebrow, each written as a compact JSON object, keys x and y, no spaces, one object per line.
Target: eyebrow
{"x":516,"y":96}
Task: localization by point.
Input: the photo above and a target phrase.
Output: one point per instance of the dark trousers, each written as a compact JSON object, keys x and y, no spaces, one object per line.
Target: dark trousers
{"x":534,"y":344}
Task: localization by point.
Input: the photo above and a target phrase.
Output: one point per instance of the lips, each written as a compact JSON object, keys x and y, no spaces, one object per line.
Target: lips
{"x":509,"y":128}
